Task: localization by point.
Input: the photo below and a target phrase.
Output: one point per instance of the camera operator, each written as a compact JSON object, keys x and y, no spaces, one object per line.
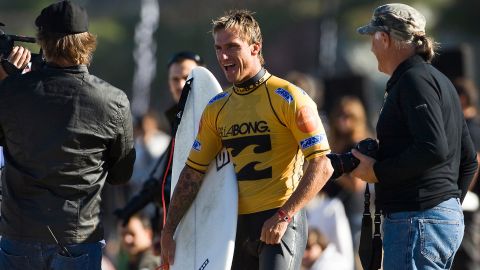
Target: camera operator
{"x":426,"y":159}
{"x":65,"y":132}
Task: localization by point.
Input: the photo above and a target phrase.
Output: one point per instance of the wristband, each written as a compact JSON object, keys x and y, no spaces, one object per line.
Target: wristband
{"x":284,"y":216}
{"x":10,"y":68}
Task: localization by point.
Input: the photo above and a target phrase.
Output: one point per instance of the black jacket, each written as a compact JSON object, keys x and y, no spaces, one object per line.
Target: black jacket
{"x":426,"y":154}
{"x":65,"y":132}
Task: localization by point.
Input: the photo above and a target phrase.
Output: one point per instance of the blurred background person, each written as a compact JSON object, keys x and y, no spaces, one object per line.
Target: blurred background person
{"x":468,"y":255}
{"x":107,"y":264}
{"x":327,"y":215}
{"x":150,"y":143}
{"x":137,"y":241}
{"x":320,"y":254}
{"x":179,"y":67}
{"x":348,"y":125}
{"x":149,"y":170}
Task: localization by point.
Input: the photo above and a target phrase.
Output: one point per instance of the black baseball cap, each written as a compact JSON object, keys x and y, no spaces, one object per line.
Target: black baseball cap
{"x":63,"y":17}
{"x":183,"y":55}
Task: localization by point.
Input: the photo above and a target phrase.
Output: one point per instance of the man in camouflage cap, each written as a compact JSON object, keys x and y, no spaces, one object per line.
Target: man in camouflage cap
{"x":401,"y":21}
{"x":426,"y":159}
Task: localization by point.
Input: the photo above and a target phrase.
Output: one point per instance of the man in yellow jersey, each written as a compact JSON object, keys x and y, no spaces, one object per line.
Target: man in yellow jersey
{"x":269,"y":126}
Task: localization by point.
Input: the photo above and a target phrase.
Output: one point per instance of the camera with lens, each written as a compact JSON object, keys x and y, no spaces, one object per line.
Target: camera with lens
{"x":347,"y":162}
{"x":6,"y":46}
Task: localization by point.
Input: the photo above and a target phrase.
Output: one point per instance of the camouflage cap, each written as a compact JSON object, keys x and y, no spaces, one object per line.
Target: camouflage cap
{"x":399,"y":20}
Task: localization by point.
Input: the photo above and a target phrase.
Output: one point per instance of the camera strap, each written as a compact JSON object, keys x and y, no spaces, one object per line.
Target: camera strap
{"x":370,"y":249}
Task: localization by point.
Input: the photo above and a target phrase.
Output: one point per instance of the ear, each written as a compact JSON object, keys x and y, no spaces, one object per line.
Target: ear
{"x":256,"y":48}
{"x":386,"y":41}
{"x":383,"y":37}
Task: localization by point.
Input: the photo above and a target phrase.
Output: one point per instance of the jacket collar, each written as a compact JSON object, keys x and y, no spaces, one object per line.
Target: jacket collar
{"x":70,"y":69}
{"x":402,"y":68}
{"x":251,"y":84}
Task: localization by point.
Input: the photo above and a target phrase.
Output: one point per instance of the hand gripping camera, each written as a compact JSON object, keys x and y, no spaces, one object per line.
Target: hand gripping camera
{"x":346,"y":162}
{"x":6,"y":46}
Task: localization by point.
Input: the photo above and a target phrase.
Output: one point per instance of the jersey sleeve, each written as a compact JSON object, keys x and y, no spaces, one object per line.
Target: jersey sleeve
{"x":301,"y":117}
{"x":207,"y":143}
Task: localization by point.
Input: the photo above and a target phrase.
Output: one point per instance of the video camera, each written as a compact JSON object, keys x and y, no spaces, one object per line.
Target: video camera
{"x":347,"y":162}
{"x":6,"y":45}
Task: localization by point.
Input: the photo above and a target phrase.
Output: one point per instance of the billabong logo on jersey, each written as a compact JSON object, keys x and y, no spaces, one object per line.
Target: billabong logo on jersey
{"x":309,"y":142}
{"x":244,"y":128}
{"x":223,"y":158}
{"x":197,"y":146}
{"x":218,"y":97}
{"x":284,"y":94}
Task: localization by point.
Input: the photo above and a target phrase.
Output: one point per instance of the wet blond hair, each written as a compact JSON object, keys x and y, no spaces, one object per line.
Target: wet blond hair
{"x":75,"y":48}
{"x":246,"y":25}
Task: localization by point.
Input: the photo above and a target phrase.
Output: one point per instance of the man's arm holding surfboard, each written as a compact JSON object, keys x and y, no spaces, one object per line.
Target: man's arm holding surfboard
{"x":318,"y":172}
{"x":185,"y":192}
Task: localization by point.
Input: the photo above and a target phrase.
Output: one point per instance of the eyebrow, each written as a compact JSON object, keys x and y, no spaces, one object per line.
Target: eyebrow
{"x":231,"y":44}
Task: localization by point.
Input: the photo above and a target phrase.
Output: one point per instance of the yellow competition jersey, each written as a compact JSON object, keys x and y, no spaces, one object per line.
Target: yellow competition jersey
{"x":265,"y":126}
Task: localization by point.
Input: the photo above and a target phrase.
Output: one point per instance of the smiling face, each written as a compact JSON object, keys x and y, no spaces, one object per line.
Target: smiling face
{"x":238,"y":59}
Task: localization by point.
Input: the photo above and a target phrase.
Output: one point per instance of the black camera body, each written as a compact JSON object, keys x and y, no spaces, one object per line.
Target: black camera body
{"x":7,"y":42}
{"x":347,"y":162}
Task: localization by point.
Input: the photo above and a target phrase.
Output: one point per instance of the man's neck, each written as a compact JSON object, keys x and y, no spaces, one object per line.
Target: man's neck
{"x":61,"y":62}
{"x":398,"y":56}
{"x":256,"y":76}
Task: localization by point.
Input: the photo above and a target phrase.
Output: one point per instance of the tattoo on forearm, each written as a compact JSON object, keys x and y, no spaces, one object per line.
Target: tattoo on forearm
{"x":185,"y":192}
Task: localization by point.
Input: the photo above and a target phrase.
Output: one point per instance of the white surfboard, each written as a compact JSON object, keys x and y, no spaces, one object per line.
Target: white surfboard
{"x":205,"y":237}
